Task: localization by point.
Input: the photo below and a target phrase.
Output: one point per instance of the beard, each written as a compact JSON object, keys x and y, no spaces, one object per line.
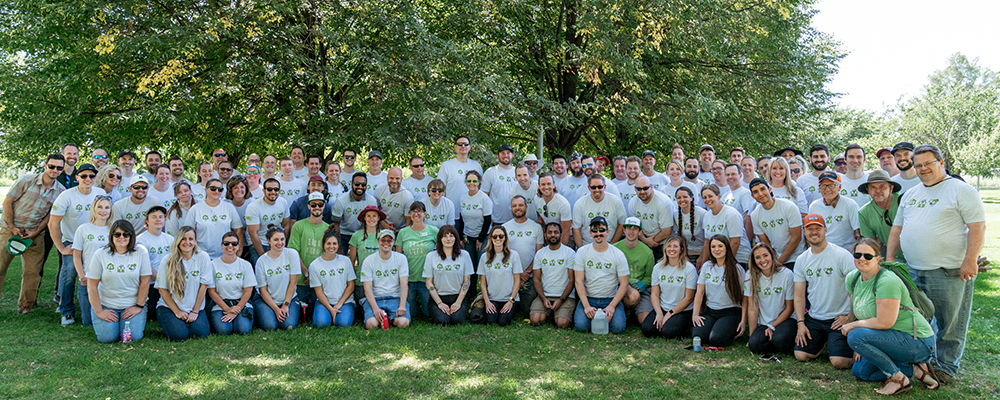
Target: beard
{"x":820,"y":165}
{"x":578,"y":173}
{"x":907,"y":168}
{"x":691,"y":174}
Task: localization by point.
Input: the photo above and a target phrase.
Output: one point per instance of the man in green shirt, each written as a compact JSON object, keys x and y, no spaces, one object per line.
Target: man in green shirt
{"x":306,"y":238}
{"x":640,"y":266}
{"x":876,"y":217}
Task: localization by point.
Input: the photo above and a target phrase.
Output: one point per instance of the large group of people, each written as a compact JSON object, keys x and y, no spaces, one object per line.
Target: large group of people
{"x":710,"y":248}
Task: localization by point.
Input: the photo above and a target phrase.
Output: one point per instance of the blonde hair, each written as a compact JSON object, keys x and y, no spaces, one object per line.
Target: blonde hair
{"x":93,"y":210}
{"x":788,"y":182}
{"x":174,"y":266}
{"x":102,"y":174}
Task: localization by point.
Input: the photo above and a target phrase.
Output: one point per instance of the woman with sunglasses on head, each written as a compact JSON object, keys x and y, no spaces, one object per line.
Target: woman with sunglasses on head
{"x":440,"y":209}
{"x":474,"y":218}
{"x":689,"y":225}
{"x":109,"y":177}
{"x":891,"y":339}
{"x":675,"y":281}
{"x":157,"y":244}
{"x":118,"y":279}
{"x":448,"y":270}
{"x":779,"y":176}
{"x":277,"y":272}
{"x":253,"y":179}
{"x":212,"y":218}
{"x":719,"y":313}
{"x":500,"y":271}
{"x":332,"y":278}
{"x":770,"y":290}
{"x":178,"y":213}
{"x":183,"y":284}
{"x":89,"y":237}
{"x":231,"y":289}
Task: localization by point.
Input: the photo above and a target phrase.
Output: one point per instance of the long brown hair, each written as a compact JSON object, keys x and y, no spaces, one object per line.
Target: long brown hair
{"x":756,"y":271}
{"x":456,"y":250}
{"x":491,"y":252}
{"x":734,"y":287}
{"x":176,"y":207}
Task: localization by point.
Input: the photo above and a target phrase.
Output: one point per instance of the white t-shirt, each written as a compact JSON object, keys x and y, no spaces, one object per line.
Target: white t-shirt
{"x":441,"y":214}
{"x":134,"y":213}
{"x":291,"y":191}
{"x":810,"y":184}
{"x":346,"y":210}
{"x":74,"y":207}
{"x":660,"y":182}
{"x":772,"y":293}
{"x":695,"y":240}
{"x":474,"y":210}
{"x":332,"y":276}
{"x":529,"y":198}
{"x":157,"y":246}
{"x":197,"y":271}
{"x":841,"y":221}
{"x":610,"y":208}
{"x":706,"y":177}
{"x":674,"y":283}
{"x":452,"y":173}
{"x":570,"y":188}
{"x":384,"y":274}
{"x":554,"y":266}
{"x":671,"y":191}
{"x":740,"y":199}
{"x":556,"y":210}
{"x":799,"y":200}
{"x":499,"y":182}
{"x":418,"y":187}
{"x":500,"y":275}
{"x":824,"y":274}
{"x":88,"y":239}
{"x":935,"y":223}
{"x":729,"y":224}
{"x":274,"y":273}
{"x":396,"y":206}
{"x":448,"y":274}
{"x":164,"y":199}
{"x":210,"y":223}
{"x":523,"y":238}
{"x":601,"y":270}
{"x":118,"y":276}
{"x":609,"y":191}
{"x":849,"y":189}
{"x":626,"y":192}
{"x":377,"y":181}
{"x":655,"y":215}
{"x":775,"y":224}
{"x":231,"y":279}
{"x":713,"y":276}
{"x":906,"y":183}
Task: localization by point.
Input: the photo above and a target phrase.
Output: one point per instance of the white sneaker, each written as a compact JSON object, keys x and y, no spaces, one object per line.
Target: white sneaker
{"x":68,"y":320}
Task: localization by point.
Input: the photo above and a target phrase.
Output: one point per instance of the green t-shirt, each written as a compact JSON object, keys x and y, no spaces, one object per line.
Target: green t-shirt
{"x":415,"y":246}
{"x":640,"y":262}
{"x":872,"y":218}
{"x":366,"y":247}
{"x":306,"y":239}
{"x":889,"y":287}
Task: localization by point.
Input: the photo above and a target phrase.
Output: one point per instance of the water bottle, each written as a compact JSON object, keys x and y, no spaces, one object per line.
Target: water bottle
{"x":697,"y":344}
{"x":305,"y":309}
{"x":600,"y":324}
{"x":127,"y":333}
{"x":385,"y":321}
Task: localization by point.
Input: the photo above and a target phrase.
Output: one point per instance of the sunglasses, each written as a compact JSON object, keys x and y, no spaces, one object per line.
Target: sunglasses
{"x":588,"y":165}
{"x":463,"y":144}
{"x":226,"y":169}
{"x":360,"y":184}
{"x":55,"y":167}
{"x":867,"y":256}
{"x":143,"y":187}
{"x":228,"y":243}
{"x":417,"y":166}
{"x":498,"y":236}
{"x":596,"y":187}
{"x":349,"y":157}
{"x":472,"y":181}
{"x":114,"y":176}
{"x":840,"y":163}
{"x":316,"y":205}
{"x":86,"y":176}
{"x":215,"y":188}
{"x":797,"y":171}
{"x":642,"y":188}
{"x":121,"y":234}
{"x":272,"y":189}
{"x":598,"y":230}
{"x":436,"y":190}
{"x":531,"y":162}
{"x":101,"y":157}
{"x":219,"y":155}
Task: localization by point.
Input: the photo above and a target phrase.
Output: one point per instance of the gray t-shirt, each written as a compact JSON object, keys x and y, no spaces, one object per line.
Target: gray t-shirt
{"x":231,"y":279}
{"x":674,"y":283}
{"x":841,"y":221}
{"x":441,"y":214}
{"x":418,"y":187}
{"x":332,"y":276}
{"x":556,"y":210}
{"x":262,"y":214}
{"x":448,"y":274}
{"x":396,"y":206}
{"x":775,"y":224}
{"x":601,"y":270}
{"x":610,"y":208}
{"x":499,"y":275}
{"x":713,"y":276}
{"x":810,"y":184}
{"x":695,"y":240}
{"x":729,"y":224}
{"x":475,"y":208}
{"x":849,"y":189}
{"x":452,"y":173}
{"x":655,"y":215}
{"x":799,"y":199}
{"x":346,"y":210}
{"x":275,"y":273}
{"x":824,"y":274}
{"x":499,"y":182}
{"x":384,"y":274}
{"x":210,"y":223}
{"x":157,"y":246}
{"x":74,"y":207}
{"x":134,"y":213}
{"x":554,"y":266}
{"x":88,"y":239}
{"x":740,"y":199}
{"x":197,"y":271}
{"x":529,"y":198}
{"x":772,"y":293}
{"x":524,"y":237}
{"x":117,"y":276}
{"x":934,"y":220}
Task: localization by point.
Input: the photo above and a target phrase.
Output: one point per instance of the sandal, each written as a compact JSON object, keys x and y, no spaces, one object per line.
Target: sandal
{"x":926,"y":373}
{"x":898,"y":381}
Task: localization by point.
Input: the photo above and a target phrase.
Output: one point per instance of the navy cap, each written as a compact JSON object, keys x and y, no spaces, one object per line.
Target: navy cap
{"x":758,"y":181}
{"x":831,"y":175}
{"x":902,"y":146}
{"x":598,"y":220}
{"x":505,"y":147}
{"x":85,"y":167}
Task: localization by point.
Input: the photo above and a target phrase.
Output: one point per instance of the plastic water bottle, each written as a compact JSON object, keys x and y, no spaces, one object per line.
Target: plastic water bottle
{"x":385,"y":321}
{"x":600,"y":324}
{"x":127,"y":333}
{"x":697,"y":344}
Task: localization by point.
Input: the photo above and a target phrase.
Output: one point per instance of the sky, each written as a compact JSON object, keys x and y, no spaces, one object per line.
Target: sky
{"x":894,"y":45}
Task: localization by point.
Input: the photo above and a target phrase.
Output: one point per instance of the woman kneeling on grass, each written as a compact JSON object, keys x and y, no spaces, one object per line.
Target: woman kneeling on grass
{"x":118,"y":282}
{"x":384,"y":275}
{"x":332,"y":277}
{"x":675,"y":282}
{"x":448,"y":276}
{"x":719,"y":297}
{"x":886,"y":337}
{"x":182,"y":285}
{"x":770,"y":291}
{"x":278,"y":269}
{"x":500,"y":269}
{"x":231,"y":290}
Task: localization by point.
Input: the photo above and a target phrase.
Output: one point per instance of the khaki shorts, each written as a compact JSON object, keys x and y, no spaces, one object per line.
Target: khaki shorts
{"x":565,"y":311}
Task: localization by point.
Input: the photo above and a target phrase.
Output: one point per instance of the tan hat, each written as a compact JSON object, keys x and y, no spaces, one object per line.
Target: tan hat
{"x":879,"y":176}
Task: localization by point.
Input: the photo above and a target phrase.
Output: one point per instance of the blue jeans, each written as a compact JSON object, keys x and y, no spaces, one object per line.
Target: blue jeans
{"x":268,"y":320}
{"x":952,"y":300}
{"x":68,"y":281}
{"x":388,"y":304}
{"x":253,"y":253}
{"x":616,"y":324}
{"x":323,"y":319}
{"x":241,"y":325}
{"x":886,"y":349}
{"x":110,"y":332}
{"x":177,"y":330}
{"x":418,"y":288}
{"x":82,"y":295}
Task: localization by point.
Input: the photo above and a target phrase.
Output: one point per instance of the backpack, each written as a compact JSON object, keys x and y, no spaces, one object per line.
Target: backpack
{"x":921,"y":303}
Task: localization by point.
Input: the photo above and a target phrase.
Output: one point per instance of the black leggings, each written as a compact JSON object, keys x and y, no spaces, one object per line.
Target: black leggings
{"x":440,"y":318}
{"x":678,"y":325}
{"x":781,"y":341}
{"x":500,"y":318}
{"x":719,"y":328}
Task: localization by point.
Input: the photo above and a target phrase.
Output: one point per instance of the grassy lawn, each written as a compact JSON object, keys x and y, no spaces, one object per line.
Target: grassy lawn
{"x":39,"y":359}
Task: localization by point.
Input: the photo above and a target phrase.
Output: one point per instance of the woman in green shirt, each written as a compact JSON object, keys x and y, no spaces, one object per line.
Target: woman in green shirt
{"x":885,"y":336}
{"x":415,"y":241}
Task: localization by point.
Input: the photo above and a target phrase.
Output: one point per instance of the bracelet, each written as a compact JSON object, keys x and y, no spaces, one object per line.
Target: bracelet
{"x":801,"y":321}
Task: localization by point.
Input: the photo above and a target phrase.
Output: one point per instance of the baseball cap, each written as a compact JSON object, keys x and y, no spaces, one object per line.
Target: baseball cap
{"x":126,"y":152}
{"x":706,"y":147}
{"x":86,"y":167}
{"x":317,"y":178}
{"x":902,"y":146}
{"x":631,"y":221}
{"x":137,"y":179}
{"x":648,"y":153}
{"x":598,"y":220}
{"x":315,"y":196}
{"x":881,"y":151}
{"x":385,"y":232}
{"x":374,"y":153}
{"x":813,"y":219}
{"x":831,"y":175}
{"x":17,"y":245}
{"x":758,"y":181}
{"x":505,"y":147}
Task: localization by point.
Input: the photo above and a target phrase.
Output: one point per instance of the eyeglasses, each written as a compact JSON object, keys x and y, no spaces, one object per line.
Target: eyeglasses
{"x":531,"y":162}
{"x":215,"y":188}
{"x":463,"y":144}
{"x":926,"y":164}
{"x":228,"y":243}
{"x":598,"y":230}
{"x":886,"y":219}
{"x":472,"y":181}
{"x":867,"y":256}
{"x":596,"y":187}
{"x":86,"y":176}
{"x":101,"y":157}
{"x":115,"y":176}
{"x":219,"y":155}
{"x":137,"y":187}
{"x":316,"y":205}
{"x":827,"y":186}
{"x":360,"y":184}
{"x":642,"y":188}
{"x":55,"y":167}
{"x":498,"y":236}
{"x":121,"y":234}
{"x":839,"y":163}
{"x":417,"y":166}
{"x":436,"y":190}
{"x":272,"y":189}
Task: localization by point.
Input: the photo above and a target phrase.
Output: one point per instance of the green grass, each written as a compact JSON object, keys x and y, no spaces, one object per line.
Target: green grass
{"x":39,"y":359}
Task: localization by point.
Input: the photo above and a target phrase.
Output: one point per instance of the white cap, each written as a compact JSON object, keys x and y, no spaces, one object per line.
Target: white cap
{"x":136,"y":179}
{"x":530,"y":157}
{"x":315,"y":196}
{"x":633,"y":221}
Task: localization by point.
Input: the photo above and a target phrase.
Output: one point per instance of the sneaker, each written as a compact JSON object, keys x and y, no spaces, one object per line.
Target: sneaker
{"x":943,"y":377}
{"x":56,"y":299}
{"x":68,"y":320}
{"x":24,"y":310}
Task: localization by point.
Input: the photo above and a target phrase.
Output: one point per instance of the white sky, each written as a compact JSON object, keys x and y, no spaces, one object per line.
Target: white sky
{"x":894,"y":45}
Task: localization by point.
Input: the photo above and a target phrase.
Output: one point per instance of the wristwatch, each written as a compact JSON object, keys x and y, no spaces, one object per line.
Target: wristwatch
{"x":140,"y":306}
{"x":510,"y":299}
{"x":562,"y":299}
{"x":285,"y":303}
{"x":671,"y":311}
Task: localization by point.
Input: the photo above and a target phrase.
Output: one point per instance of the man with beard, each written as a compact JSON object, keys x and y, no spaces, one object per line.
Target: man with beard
{"x":418,"y":180}
{"x":855,"y":175}
{"x":268,"y":210}
{"x":619,"y":168}
{"x":706,"y":156}
{"x":347,"y":208}
{"x":497,"y":183}
{"x":527,"y":188}
{"x":907,"y":177}
{"x":553,"y":280}
{"x":559,"y":165}
{"x":225,"y":171}
{"x":819,"y":158}
{"x":572,"y":184}
{"x":876,"y":217}
{"x":597,"y":204}
{"x":153,"y":160}
{"x":625,"y":189}
{"x":176,"y":170}
{"x":299,"y":209}
{"x":134,"y":208}
{"x":887,"y":161}
{"x":658,"y":180}
{"x":589,"y":169}
{"x":306,"y":237}
{"x":67,"y":178}
{"x":691,"y":171}
{"x":452,"y":172}
{"x":99,"y":157}
{"x":601,"y":275}
{"x":395,"y":200}
{"x":525,"y":237}
{"x":655,"y":212}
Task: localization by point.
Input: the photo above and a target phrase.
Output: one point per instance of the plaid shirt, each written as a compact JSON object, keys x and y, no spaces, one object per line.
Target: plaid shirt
{"x":32,"y":201}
